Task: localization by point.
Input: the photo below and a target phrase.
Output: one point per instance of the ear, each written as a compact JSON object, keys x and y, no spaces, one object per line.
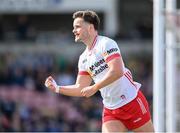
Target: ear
{"x":91,"y":27}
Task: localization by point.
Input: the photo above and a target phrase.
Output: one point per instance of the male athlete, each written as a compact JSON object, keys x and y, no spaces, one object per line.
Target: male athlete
{"x":125,"y":107}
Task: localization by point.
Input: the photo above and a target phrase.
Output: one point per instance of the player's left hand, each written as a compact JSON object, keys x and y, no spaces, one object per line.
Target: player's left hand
{"x":88,"y":91}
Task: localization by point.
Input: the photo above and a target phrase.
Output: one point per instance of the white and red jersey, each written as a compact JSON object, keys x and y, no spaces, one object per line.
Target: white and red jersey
{"x":93,"y":62}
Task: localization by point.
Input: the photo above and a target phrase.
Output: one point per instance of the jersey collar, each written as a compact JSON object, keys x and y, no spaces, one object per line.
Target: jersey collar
{"x":94,"y":42}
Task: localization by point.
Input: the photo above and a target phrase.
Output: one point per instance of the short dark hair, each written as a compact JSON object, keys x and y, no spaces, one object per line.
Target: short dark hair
{"x":88,"y":16}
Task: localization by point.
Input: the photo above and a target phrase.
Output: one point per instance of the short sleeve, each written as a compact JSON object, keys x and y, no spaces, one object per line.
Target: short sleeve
{"x":81,"y":66}
{"x":110,"y":50}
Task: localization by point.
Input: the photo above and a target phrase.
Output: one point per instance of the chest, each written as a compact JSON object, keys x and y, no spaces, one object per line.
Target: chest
{"x":94,"y":58}
{"x":95,"y":63}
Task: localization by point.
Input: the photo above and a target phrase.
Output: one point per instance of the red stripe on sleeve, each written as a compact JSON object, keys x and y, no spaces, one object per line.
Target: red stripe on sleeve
{"x":130,"y":80}
{"x":83,"y":73}
{"x":112,"y":57}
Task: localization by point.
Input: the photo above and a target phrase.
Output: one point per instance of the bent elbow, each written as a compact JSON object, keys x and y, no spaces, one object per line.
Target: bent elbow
{"x":119,"y":74}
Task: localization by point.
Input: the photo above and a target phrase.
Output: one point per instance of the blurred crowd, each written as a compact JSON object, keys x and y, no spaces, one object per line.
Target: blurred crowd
{"x":27,"y":105}
{"x":30,"y":28}
{"x":22,"y":28}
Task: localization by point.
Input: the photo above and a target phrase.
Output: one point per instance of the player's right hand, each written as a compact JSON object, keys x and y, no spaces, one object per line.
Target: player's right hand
{"x":51,"y":84}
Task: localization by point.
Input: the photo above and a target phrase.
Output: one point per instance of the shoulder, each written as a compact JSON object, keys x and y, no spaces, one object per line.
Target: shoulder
{"x":106,"y":42}
{"x":103,"y":40}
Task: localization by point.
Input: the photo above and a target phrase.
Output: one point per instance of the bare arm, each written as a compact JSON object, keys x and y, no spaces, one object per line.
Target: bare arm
{"x":115,"y":72}
{"x":75,"y":90}
{"x":70,"y":90}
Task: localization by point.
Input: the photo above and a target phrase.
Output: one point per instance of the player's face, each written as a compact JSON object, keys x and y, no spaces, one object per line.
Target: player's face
{"x":80,"y":30}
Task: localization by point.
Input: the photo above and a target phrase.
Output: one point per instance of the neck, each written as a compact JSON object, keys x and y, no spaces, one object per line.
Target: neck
{"x":90,"y":41}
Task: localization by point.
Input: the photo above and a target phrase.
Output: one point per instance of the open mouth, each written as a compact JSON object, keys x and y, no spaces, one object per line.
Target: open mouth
{"x":76,"y":35}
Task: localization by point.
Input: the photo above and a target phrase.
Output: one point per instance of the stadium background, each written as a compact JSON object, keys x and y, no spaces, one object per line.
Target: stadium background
{"x":36,"y":41}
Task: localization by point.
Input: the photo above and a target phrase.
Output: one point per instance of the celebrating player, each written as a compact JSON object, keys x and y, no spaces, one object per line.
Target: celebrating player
{"x":125,"y":107}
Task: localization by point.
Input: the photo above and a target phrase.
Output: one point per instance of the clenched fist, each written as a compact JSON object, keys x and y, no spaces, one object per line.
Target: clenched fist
{"x":51,"y":84}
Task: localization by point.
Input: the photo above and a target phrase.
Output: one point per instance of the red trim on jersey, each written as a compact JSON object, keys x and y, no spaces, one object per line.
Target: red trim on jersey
{"x":112,"y":57}
{"x":130,"y":79}
{"x":83,"y":73}
{"x":94,"y":42}
{"x":130,"y":75}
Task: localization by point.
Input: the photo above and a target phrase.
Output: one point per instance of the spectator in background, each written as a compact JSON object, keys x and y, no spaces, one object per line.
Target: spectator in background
{"x":66,"y":76}
{"x":144,"y":27}
{"x":7,"y":108}
{"x":22,"y":27}
{"x":1,"y":30}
